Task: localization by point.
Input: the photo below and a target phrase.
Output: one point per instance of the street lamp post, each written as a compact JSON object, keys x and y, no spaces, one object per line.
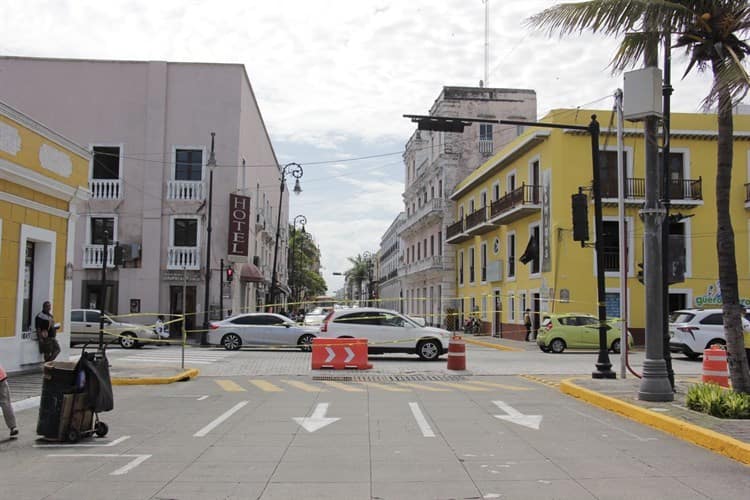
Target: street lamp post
{"x":368,"y":257}
{"x":295,"y":169}
{"x":210,"y":164}
{"x":294,"y":284}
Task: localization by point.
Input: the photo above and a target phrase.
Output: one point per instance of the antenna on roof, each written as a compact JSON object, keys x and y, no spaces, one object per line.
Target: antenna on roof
{"x":486,"y":43}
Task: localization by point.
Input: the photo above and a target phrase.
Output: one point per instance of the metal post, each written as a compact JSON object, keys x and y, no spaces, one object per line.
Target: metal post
{"x":622,"y":255}
{"x":603,"y":365}
{"x":274,"y":275}
{"x":221,"y":288}
{"x":211,"y":164}
{"x":103,"y":291}
{"x":184,"y":331}
{"x":655,"y":383}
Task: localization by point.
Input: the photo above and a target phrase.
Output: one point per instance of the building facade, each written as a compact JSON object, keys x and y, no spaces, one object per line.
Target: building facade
{"x":43,"y":176}
{"x":517,"y":252}
{"x":434,"y":163}
{"x":148,"y":126}
{"x":390,"y":257}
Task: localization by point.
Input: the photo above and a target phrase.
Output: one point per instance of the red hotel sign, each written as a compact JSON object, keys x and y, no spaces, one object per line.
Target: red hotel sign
{"x":239,"y":225}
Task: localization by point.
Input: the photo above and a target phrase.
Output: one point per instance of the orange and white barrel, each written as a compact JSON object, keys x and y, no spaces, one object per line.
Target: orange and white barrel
{"x":715,"y":367}
{"x":456,"y":354}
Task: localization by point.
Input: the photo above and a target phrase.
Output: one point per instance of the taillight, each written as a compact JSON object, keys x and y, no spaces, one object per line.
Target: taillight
{"x":549,"y":326}
{"x":213,"y":326}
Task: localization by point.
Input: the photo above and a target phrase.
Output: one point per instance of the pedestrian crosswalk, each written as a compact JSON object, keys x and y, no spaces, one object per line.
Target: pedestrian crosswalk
{"x":315,"y":386}
{"x":193,"y":356}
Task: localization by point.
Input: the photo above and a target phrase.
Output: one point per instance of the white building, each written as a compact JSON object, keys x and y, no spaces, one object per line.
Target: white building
{"x":390,"y":257}
{"x":434,"y":163}
{"x":149,"y":125}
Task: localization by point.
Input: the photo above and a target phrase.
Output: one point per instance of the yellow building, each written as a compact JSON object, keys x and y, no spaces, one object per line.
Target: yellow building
{"x":523,"y":193}
{"x":42,"y":176}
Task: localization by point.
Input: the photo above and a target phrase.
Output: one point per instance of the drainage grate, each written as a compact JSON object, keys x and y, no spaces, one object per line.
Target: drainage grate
{"x":384,"y":379}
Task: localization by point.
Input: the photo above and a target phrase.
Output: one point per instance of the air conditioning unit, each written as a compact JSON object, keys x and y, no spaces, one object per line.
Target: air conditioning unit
{"x":495,"y":270}
{"x":131,"y":251}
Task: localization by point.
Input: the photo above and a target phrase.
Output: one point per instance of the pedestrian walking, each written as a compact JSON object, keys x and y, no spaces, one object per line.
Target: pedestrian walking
{"x":527,"y":323}
{"x":46,"y":332}
{"x":161,"y":329}
{"x":6,"y":405}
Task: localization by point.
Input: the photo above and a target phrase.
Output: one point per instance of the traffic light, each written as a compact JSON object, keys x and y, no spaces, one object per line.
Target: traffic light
{"x":580,"y":217}
{"x":230,"y":274}
{"x":640,"y":272}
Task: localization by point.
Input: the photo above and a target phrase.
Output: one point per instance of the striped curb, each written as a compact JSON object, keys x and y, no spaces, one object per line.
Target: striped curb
{"x":712,"y":440}
{"x":180,"y":377}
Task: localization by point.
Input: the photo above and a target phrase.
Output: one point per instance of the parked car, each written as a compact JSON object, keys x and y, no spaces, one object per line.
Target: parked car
{"x":386,"y":331}
{"x":259,"y":329}
{"x":84,"y":328}
{"x":315,"y":317}
{"x":576,"y":331}
{"x":693,"y":330}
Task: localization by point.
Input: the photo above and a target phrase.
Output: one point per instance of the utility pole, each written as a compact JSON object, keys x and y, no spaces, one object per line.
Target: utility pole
{"x":666,"y":195}
{"x":655,"y":383}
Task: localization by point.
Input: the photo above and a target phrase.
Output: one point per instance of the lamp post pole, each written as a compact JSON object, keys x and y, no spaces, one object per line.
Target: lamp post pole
{"x":294,"y":284}
{"x":368,"y":256}
{"x":211,"y":164}
{"x":295,"y":169}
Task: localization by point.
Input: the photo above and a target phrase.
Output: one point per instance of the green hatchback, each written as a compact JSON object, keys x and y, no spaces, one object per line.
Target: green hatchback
{"x":576,"y":331}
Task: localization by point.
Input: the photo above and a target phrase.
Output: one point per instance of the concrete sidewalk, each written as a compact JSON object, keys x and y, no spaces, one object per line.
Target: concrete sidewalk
{"x":725,"y":436}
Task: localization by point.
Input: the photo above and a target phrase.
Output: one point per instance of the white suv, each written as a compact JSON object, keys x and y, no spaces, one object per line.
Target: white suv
{"x":386,"y":331}
{"x":693,"y":330}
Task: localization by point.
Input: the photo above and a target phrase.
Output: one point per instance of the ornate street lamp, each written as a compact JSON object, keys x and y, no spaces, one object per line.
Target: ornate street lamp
{"x":368,"y":257}
{"x":294,"y":282}
{"x":210,"y":164}
{"x":294,"y":169}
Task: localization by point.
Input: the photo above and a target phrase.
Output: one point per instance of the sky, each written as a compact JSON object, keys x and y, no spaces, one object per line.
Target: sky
{"x":333,"y":79}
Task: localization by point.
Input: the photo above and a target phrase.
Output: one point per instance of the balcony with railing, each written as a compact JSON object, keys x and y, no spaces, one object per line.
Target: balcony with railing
{"x":682,"y":192}
{"x":93,"y":256}
{"x":105,"y":189}
{"x":183,"y":258}
{"x":428,"y":264}
{"x":454,"y":233}
{"x":477,"y":223}
{"x":186,"y":190}
{"x":428,"y":213}
{"x":518,"y":203}
{"x":611,"y":257}
{"x":485,"y":146}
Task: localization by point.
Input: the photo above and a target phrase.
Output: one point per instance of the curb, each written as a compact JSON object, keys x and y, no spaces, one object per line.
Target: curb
{"x":499,"y":347}
{"x":714,"y":441}
{"x":180,"y":377}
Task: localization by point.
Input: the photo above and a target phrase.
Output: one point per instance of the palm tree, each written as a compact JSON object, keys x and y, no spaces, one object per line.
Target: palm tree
{"x":359,"y":273}
{"x":709,"y":30}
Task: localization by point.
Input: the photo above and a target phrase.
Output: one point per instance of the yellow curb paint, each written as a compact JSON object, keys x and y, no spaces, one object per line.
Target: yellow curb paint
{"x":186,"y":375}
{"x":463,"y":387}
{"x":423,"y":387}
{"x":266,"y":386}
{"x":303,"y":386}
{"x":714,"y":441}
{"x":492,"y":346}
{"x":343,"y":387}
{"x":501,"y":386}
{"x":230,"y":386}
{"x":388,"y":387}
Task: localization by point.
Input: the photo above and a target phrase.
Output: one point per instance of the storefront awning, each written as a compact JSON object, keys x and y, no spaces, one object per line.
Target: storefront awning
{"x":250,"y":272}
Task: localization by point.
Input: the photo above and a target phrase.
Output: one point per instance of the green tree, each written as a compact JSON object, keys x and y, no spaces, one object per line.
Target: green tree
{"x":304,"y":266}
{"x":358,"y":273}
{"x":711,"y":33}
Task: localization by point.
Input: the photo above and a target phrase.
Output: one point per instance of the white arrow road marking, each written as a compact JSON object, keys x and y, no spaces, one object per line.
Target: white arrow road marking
{"x":516,"y":417}
{"x":83,"y":445}
{"x":317,"y":420}
{"x":421,"y":421}
{"x":331,"y":355}
{"x":349,"y":354}
{"x":220,"y":419}
{"x":137,"y":460}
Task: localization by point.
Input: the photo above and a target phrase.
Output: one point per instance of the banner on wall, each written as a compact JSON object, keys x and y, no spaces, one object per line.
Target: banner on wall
{"x":546,"y":229}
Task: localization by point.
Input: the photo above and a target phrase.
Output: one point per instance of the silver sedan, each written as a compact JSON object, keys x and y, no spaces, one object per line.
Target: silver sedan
{"x":259,"y":329}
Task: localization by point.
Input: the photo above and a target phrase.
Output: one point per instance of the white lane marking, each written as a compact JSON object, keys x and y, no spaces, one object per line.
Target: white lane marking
{"x":220,"y":419}
{"x":26,"y":404}
{"x":137,"y":460}
{"x":349,"y":354}
{"x":82,"y":445}
{"x":608,"y":424}
{"x":202,"y":398}
{"x":331,"y":354}
{"x":421,"y":421}
{"x":317,"y":420}
{"x":516,"y":417}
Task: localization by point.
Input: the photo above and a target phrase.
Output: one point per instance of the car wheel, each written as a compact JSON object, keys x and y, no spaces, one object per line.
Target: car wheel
{"x":231,"y":342}
{"x":557,"y":346}
{"x":305,"y":342}
{"x":615,"y":346}
{"x":128,"y":340}
{"x":429,"y":350}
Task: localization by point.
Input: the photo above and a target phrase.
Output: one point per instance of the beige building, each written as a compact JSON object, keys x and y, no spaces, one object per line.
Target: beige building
{"x":434,"y":163}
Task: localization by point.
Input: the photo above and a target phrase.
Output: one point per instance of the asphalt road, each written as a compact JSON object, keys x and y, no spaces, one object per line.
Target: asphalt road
{"x":259,"y":424}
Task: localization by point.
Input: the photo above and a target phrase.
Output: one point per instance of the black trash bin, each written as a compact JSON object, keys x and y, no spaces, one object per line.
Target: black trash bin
{"x":59,"y":379}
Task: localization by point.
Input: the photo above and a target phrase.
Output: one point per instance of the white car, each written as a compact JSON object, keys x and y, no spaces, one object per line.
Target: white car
{"x":386,"y":331}
{"x":691,"y":331}
{"x":259,"y":329}
{"x":84,"y":328}
{"x":315,"y":317}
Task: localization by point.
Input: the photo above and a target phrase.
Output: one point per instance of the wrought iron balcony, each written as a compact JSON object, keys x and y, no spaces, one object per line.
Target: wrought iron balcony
{"x":105,"y":189}
{"x":747,"y":195}
{"x":93,"y":256}
{"x":682,"y":192}
{"x":477,"y":223}
{"x":183,"y":258}
{"x":186,"y":190}
{"x":518,"y":203}
{"x":454,"y":233}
